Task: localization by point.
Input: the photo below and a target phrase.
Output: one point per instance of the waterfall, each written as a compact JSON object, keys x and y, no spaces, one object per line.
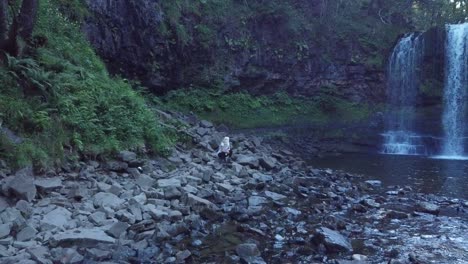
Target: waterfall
{"x":402,"y":90}
{"x":456,"y":83}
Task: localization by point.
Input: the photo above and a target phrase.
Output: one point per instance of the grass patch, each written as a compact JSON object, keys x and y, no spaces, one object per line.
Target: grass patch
{"x":242,"y":110}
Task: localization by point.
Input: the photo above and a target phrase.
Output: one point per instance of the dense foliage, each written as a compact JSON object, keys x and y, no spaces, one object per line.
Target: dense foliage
{"x":60,"y":98}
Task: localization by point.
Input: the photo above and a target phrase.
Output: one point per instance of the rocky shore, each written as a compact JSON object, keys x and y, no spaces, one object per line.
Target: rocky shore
{"x":266,"y":205}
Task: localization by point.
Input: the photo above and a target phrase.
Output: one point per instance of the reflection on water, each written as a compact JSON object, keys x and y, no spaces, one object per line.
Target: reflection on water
{"x":437,"y":176}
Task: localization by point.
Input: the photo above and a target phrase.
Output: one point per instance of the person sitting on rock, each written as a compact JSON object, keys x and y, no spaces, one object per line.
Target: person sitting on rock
{"x":224,"y":150}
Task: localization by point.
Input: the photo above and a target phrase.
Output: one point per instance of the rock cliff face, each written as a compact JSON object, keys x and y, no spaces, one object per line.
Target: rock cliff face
{"x":132,"y":38}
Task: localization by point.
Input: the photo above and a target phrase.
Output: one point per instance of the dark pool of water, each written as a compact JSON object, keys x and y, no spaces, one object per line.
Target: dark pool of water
{"x":437,"y":176}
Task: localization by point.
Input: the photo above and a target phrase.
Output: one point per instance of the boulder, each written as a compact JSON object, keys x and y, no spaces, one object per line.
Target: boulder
{"x":21,"y":186}
{"x":247,"y":160}
{"x":3,"y":204}
{"x":26,"y":234}
{"x":249,"y":253}
{"x":40,"y":254}
{"x":260,"y":177}
{"x":5,"y":230}
{"x":103,"y":199}
{"x":275,"y":196}
{"x":45,"y":185}
{"x":117,"y":166}
{"x":268,"y":163}
{"x":81,"y":237}
{"x":163,"y":183}
{"x":427,"y":207}
{"x":127,"y":156}
{"x":333,"y":241}
{"x":206,"y":124}
{"x":257,"y":200}
{"x":144,"y":181}
{"x":198,"y":203}
{"x":56,"y":218}
{"x":117,"y":229}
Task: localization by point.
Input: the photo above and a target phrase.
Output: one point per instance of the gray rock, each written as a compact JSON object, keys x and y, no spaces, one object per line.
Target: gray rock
{"x":163,"y":183}
{"x":127,"y":156}
{"x":225,"y":187}
{"x":98,"y":254}
{"x":374,"y":183}
{"x":206,"y":124}
{"x":198,"y":203}
{"x":77,"y":192}
{"x":117,"y":229}
{"x":98,"y":218}
{"x":267,"y":163}
{"x":257,"y":200}
{"x":275,"y":196}
{"x":45,"y":185}
{"x":144,"y":181}
{"x":68,"y":256}
{"x":333,"y":241}
{"x":249,"y":253}
{"x":21,"y":186}
{"x":117,"y":166}
{"x":56,"y":218}
{"x":171,"y":192}
{"x":262,"y":177}
{"x":248,"y":161}
{"x":40,"y":254}
{"x":3,"y":204}
{"x":24,"y":207}
{"x":5,"y":230}
{"x":427,"y":207}
{"x":12,"y":216}
{"x":182,"y":255}
{"x":26,"y":234}
{"x":201,"y":131}
{"x":81,"y":237}
{"x":107,"y":200}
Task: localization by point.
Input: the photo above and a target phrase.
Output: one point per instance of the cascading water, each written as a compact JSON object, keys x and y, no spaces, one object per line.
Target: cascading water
{"x":456,"y":83}
{"x":402,"y":89}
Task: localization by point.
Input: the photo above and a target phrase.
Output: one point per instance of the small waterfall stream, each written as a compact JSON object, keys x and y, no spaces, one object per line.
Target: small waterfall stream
{"x":402,"y":90}
{"x":456,"y":83}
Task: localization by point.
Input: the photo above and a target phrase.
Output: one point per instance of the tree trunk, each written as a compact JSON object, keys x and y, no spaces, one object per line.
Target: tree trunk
{"x":27,"y":19}
{"x":3,"y":20}
{"x":21,"y":29}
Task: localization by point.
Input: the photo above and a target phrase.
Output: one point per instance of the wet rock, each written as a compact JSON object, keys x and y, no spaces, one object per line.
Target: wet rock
{"x":21,"y":186}
{"x":427,"y":207}
{"x":333,"y":241}
{"x":81,"y":237}
{"x":249,"y":253}
{"x":26,"y":234}
{"x":103,"y":199}
{"x":117,"y":229}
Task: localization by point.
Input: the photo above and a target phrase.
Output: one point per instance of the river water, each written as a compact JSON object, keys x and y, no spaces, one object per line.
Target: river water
{"x":426,"y":175}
